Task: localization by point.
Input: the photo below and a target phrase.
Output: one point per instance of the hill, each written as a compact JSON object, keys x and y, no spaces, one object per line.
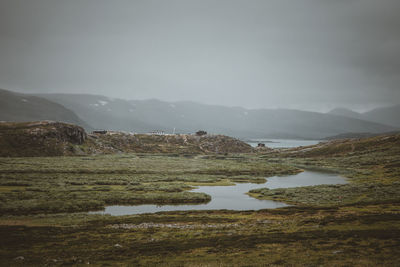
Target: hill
{"x":16,"y":107}
{"x":105,"y":113}
{"x":187,"y":117}
{"x":368,"y":146}
{"x":357,"y":135}
{"x":48,"y":138}
{"x":346,"y":113}
{"x":386,"y":115}
{"x":42,"y":138}
{"x":116,"y":142}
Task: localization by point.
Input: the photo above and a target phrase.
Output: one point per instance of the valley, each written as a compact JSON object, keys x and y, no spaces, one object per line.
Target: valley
{"x":199,"y":133}
{"x":45,"y":203}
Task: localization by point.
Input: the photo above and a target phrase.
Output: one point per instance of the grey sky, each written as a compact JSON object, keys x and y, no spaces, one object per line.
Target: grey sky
{"x":307,"y":54}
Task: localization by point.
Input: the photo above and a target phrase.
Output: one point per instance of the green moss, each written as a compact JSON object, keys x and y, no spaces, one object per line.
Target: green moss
{"x":290,"y":236}
{"x":73,"y":184}
{"x":335,"y":195}
{"x":356,"y":224}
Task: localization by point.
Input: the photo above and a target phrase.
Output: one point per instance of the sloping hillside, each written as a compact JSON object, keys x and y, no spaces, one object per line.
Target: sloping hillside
{"x":180,"y":143}
{"x":336,"y":148}
{"x":105,"y":113}
{"x":187,"y":117}
{"x":23,"y":107}
{"x":346,"y":113}
{"x":358,"y":135}
{"x":47,"y":138}
{"x":386,"y":115}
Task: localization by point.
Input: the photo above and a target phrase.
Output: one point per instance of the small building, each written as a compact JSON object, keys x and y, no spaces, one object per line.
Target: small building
{"x":99,"y":132}
{"x":201,"y":133}
{"x":157,"y":132}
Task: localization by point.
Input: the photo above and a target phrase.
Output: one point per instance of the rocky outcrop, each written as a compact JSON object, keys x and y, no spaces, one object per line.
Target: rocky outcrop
{"x":42,"y":138}
{"x":62,"y":131}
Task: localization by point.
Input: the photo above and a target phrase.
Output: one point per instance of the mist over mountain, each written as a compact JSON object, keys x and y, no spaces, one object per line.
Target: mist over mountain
{"x":307,"y":54}
{"x":346,"y":113}
{"x":24,"y":107}
{"x":187,"y":117}
{"x":104,"y":112}
{"x":386,"y":115}
{"x":100,"y":112}
{"x":200,"y":132}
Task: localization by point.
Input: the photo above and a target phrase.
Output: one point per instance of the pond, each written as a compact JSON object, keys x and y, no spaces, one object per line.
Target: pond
{"x":234,"y":197}
{"x":282,"y":143}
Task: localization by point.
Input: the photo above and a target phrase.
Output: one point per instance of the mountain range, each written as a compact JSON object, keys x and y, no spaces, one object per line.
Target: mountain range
{"x":386,"y":115}
{"x":100,"y":112}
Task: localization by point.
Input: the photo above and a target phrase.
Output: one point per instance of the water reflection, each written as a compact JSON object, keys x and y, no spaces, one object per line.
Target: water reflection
{"x":234,"y":197}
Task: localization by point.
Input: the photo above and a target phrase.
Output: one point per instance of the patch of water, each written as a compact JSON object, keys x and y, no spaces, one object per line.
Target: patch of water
{"x":282,"y":143}
{"x":234,"y":197}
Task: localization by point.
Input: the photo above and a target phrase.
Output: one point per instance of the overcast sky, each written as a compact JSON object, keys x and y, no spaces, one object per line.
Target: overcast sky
{"x":307,"y":54}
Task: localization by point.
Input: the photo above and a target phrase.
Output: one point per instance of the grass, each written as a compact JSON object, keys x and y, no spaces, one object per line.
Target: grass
{"x":371,"y":160}
{"x":336,"y":195}
{"x":351,"y":236}
{"x":372,"y":166}
{"x":75,"y":184}
{"x":225,"y":182}
{"x":355,"y":224}
{"x":43,"y":138}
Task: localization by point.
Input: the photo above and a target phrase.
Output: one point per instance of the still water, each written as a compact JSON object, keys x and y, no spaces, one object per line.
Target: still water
{"x":282,"y":143}
{"x":234,"y":197}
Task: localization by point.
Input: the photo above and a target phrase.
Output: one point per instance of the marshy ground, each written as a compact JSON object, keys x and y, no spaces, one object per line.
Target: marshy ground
{"x":44,"y":202}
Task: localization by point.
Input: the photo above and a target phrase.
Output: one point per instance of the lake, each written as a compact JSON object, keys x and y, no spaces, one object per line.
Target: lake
{"x":234,"y":197}
{"x":282,"y":143}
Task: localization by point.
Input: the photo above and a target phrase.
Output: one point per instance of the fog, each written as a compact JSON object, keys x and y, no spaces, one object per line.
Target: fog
{"x":304,"y":54}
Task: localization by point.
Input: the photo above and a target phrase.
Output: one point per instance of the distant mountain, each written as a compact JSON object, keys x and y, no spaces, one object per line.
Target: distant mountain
{"x":105,"y":113}
{"x":23,"y":107}
{"x":385,"y":115}
{"x":346,"y":113}
{"x":187,"y":117}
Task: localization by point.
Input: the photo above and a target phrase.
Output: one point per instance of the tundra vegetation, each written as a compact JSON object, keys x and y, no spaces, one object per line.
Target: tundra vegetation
{"x":72,"y":184}
{"x":48,"y":138}
{"x":44,"y":199}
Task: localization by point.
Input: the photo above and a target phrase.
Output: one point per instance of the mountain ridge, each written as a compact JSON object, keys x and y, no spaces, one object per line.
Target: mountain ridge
{"x":19,"y":107}
{"x":143,"y":116}
{"x":188,"y":117}
{"x":385,"y":115}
